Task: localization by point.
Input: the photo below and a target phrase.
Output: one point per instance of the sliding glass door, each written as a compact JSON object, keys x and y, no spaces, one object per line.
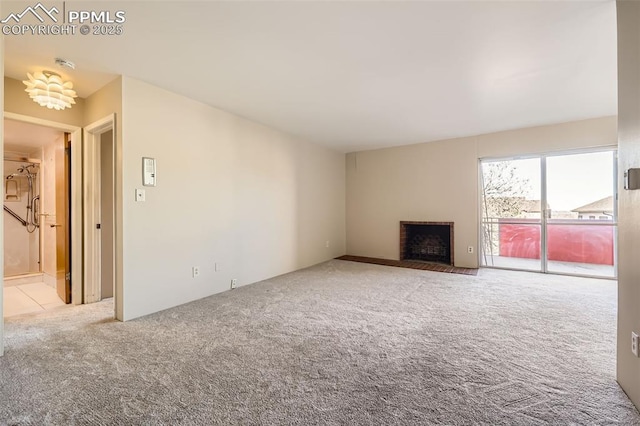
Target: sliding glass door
{"x":511,"y":220}
{"x":554,"y":213}
{"x":581,"y":215}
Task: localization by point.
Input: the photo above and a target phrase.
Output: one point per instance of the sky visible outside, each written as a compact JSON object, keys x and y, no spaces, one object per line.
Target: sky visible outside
{"x":576,"y":180}
{"x":572,"y":180}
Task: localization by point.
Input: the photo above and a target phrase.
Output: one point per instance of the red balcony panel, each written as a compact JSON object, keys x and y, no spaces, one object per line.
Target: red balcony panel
{"x":566,"y":243}
{"x":521,"y":241}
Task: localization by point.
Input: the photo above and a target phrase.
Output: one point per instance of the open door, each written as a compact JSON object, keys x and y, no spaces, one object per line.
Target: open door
{"x":107,"y":215}
{"x":98,"y":210}
{"x":63,"y":223}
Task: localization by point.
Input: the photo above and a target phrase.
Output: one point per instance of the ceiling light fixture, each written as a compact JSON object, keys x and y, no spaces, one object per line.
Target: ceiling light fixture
{"x":48,"y":90}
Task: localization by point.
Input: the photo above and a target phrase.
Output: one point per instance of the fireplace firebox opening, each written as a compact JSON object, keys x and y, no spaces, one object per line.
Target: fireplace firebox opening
{"x":427,"y":242}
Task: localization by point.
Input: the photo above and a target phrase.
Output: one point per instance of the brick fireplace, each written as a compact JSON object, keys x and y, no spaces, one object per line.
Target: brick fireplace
{"x":427,"y":242}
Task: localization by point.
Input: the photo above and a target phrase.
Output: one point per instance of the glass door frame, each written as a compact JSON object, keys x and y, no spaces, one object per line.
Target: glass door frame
{"x":545,"y":219}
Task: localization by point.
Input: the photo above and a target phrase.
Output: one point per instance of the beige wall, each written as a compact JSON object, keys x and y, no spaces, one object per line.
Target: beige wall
{"x":438,"y":181}
{"x":597,"y":132}
{"x":259,"y":203}
{"x":628,"y":366}
{"x":320,"y":204}
{"x":229,"y":191}
{"x":107,"y":100}
{"x":17,"y":101}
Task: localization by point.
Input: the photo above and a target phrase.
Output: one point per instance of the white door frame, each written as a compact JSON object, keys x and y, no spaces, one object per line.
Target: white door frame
{"x":76,"y":197}
{"x":91,"y":191}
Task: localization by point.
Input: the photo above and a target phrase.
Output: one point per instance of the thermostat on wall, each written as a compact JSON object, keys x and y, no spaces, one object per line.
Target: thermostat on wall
{"x":148,"y":171}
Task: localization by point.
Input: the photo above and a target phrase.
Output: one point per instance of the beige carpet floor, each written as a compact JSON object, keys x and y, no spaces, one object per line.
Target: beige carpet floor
{"x":340,"y":343}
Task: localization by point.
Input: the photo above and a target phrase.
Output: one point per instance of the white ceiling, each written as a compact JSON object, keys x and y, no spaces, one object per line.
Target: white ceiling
{"x":357,"y":74}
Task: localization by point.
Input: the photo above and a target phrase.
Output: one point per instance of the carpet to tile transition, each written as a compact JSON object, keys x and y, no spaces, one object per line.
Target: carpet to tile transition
{"x":340,"y":343}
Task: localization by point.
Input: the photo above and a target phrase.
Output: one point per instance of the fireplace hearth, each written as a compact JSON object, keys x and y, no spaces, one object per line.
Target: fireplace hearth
{"x":427,"y":242}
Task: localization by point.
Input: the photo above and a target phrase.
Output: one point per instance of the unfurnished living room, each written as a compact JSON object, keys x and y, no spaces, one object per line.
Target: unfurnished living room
{"x":312,"y":212}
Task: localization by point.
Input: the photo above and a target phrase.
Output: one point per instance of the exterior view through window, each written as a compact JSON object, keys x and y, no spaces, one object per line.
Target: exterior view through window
{"x":553,"y":213}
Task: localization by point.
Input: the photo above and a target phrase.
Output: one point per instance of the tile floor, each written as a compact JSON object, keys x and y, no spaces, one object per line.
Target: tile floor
{"x":29,"y":298}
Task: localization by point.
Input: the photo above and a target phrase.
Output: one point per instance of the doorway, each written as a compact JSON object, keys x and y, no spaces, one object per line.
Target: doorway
{"x":36,"y":218}
{"x":99,"y":210}
{"x":553,"y":213}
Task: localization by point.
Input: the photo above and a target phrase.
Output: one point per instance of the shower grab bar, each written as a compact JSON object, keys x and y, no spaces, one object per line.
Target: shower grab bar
{"x":15,"y":215}
{"x":35,"y":203}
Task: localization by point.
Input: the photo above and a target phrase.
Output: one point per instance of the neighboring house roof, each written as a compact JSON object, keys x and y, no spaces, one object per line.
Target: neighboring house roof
{"x":600,"y":206}
{"x":531,"y":206}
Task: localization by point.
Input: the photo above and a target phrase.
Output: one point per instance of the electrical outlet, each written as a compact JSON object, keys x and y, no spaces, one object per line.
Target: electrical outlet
{"x":233,"y":283}
{"x":217,"y":267}
{"x":470,"y":249}
{"x":634,"y":343}
{"x":195,"y":271}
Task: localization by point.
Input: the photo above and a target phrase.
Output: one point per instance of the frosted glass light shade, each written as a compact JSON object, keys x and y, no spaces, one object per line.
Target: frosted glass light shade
{"x":48,"y":90}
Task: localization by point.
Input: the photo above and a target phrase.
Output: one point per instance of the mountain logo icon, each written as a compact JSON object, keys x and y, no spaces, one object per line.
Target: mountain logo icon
{"x":38,"y":11}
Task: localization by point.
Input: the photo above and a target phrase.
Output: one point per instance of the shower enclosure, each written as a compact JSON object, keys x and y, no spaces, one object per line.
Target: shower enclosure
{"x":22,"y":217}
